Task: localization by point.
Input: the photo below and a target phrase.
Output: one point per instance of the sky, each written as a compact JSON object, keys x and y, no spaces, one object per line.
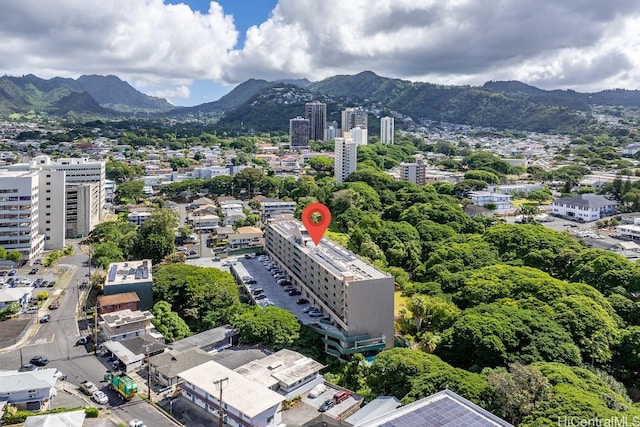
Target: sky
{"x":195,"y":51}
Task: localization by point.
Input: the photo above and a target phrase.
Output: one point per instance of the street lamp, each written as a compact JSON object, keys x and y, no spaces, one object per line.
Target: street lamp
{"x":146,"y":347}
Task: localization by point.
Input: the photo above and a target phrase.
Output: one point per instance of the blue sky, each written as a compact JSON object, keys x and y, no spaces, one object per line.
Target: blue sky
{"x":196,"y":51}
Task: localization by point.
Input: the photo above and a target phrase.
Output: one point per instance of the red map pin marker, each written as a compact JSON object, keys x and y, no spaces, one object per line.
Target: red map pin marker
{"x":316,"y":229}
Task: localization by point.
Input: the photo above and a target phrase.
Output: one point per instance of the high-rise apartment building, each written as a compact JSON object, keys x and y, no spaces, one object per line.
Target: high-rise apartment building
{"x":353,"y":118}
{"x":299,"y":130}
{"x":346,"y":157}
{"x":316,"y":113}
{"x":356,"y":297}
{"x":19,"y":214}
{"x":358,"y":135}
{"x":60,"y":216}
{"x":386,"y":130}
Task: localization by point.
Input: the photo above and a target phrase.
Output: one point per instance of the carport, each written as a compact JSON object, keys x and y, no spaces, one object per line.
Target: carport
{"x":129,"y":359}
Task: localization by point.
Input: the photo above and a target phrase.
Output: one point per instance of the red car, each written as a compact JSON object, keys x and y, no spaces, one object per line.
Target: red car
{"x":54,"y":305}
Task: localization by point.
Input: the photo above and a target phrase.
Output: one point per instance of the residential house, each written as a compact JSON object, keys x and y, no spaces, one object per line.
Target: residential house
{"x":204,"y":219}
{"x":246,"y":237}
{"x":165,"y":367}
{"x":17,"y":295}
{"x":126,"y":323}
{"x":124,"y":301}
{"x":31,"y":391}
{"x":501,"y":201}
{"x":61,"y":419}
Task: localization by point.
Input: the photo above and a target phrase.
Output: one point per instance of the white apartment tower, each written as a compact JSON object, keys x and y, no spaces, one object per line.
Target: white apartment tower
{"x":19,"y":214}
{"x":346,"y":157}
{"x":358,"y":135}
{"x":73,"y":196}
{"x":386,"y":130}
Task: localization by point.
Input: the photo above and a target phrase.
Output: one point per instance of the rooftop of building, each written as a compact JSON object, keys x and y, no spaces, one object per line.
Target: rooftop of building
{"x":444,"y":408}
{"x":285,"y":367}
{"x":129,"y":272}
{"x":334,"y":258}
{"x":205,"y":339}
{"x":172,"y":362}
{"x":591,"y":201}
{"x":239,"y":392}
{"x":125,"y":317}
{"x":125,"y":297}
{"x":13,"y":381}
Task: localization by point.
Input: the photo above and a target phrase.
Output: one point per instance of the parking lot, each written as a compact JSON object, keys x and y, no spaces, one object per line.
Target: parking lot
{"x":279,"y":296}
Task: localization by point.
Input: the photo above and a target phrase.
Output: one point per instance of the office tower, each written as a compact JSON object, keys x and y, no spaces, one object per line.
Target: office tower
{"x":316,"y":113}
{"x":299,"y":133}
{"x":346,"y":156}
{"x":19,"y":222}
{"x":386,"y":130}
{"x":353,"y":118}
{"x":354,"y":295}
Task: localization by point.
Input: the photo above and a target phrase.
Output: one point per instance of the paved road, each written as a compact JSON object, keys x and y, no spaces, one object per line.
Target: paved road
{"x":56,"y":340}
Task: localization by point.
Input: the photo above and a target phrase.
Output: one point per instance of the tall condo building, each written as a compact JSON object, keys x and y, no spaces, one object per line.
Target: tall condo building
{"x":72,"y":195}
{"x":19,"y":214}
{"x":346,"y":156}
{"x":316,"y":113}
{"x":386,"y":130}
{"x":299,"y":130}
{"x":358,"y":135}
{"x":355,"y":297}
{"x":353,"y":118}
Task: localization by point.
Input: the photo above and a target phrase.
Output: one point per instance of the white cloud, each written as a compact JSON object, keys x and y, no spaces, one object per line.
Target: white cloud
{"x":580,"y":44}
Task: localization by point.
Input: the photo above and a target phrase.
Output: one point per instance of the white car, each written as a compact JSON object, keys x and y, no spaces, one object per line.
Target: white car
{"x":317,"y":391}
{"x":100,"y":397}
{"x":136,"y":423}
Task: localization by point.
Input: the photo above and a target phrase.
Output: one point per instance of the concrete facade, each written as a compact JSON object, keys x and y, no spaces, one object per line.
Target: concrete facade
{"x":346,"y":151}
{"x":354,"y":295}
{"x":20,"y":214}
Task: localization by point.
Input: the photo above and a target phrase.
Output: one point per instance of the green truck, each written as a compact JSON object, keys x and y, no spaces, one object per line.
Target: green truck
{"x":123,"y":384}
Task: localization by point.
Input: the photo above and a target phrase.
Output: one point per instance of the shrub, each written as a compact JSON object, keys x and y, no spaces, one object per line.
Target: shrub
{"x":92,"y":412}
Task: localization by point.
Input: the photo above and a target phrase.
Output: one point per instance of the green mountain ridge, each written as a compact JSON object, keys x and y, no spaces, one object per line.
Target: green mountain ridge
{"x":112,"y":95}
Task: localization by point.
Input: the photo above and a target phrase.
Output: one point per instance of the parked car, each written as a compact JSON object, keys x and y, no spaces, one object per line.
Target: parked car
{"x":326,"y":405}
{"x":317,"y":391}
{"x":100,"y":397}
{"x":88,"y":387}
{"x":315,"y":314}
{"x":294,"y":293}
{"x":39,"y":360}
{"x":259,"y":297}
{"x":12,"y":273}
{"x":251,"y":282}
{"x":45,"y":318}
{"x":28,"y":367}
{"x":257,"y":291}
{"x":302,"y":301}
{"x":309,"y":309}
{"x":34,"y":271}
{"x":54,"y":305}
{"x":44,"y":284}
{"x":341,"y":396}
{"x":136,"y":423}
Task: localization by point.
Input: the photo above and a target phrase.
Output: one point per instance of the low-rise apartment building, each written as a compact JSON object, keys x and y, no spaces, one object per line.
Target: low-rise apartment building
{"x":356,"y":296}
{"x":32,"y":390}
{"x":244,"y":403}
{"x":124,"y":301}
{"x":584,"y":207}
{"x":131,"y":276}
{"x":124,"y":324}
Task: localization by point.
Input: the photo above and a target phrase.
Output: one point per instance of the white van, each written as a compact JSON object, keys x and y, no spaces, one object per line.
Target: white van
{"x":317,"y":391}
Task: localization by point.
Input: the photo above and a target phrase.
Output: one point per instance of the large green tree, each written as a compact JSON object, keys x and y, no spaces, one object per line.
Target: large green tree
{"x":168,"y":322}
{"x":203,"y":297}
{"x":272,"y":326}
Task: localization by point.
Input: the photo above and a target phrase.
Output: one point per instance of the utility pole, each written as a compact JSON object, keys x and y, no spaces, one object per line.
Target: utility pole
{"x":148,"y":374}
{"x":220,"y":385}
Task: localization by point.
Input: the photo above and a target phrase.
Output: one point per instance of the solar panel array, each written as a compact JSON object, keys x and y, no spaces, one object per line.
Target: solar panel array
{"x":444,"y":412}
